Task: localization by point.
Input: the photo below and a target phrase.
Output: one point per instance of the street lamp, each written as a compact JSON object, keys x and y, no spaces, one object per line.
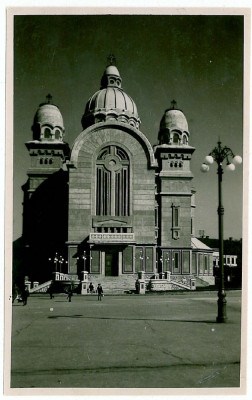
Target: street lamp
{"x":220,"y":154}
{"x":61,"y":261}
{"x":141,"y":258}
{"x":84,"y":260}
{"x":55,"y":261}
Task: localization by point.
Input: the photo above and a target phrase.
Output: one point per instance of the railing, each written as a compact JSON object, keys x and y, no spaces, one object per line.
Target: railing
{"x":112,"y":237}
{"x":41,"y":288}
{"x":59,"y":276}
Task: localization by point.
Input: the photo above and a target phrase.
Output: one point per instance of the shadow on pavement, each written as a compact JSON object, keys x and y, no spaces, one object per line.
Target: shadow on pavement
{"x":135,"y":319}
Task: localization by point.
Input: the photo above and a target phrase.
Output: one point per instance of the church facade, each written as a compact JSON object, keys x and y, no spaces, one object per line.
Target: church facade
{"x":113,"y":205}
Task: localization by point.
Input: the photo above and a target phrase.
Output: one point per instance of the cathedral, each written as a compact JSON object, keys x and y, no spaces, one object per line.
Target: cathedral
{"x":113,"y":205}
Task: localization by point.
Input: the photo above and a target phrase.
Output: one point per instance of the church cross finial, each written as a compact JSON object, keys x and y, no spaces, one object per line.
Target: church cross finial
{"x":111,"y":59}
{"x":49,"y":98}
{"x":173,"y":103}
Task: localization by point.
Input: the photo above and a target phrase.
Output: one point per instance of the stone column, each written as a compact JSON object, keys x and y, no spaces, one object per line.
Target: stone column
{"x":193,"y":284}
{"x":103,"y":263}
{"x":141,"y":275}
{"x":84,"y":283}
{"x":35,"y":284}
{"x":168,"y":275}
{"x":120,"y":255}
{"x":141,"y":286}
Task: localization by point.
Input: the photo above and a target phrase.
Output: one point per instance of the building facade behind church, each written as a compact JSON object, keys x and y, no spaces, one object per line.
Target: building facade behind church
{"x":113,"y":205}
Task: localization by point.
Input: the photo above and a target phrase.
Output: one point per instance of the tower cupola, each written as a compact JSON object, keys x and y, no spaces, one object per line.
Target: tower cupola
{"x":48,"y":122}
{"x":173,"y":127}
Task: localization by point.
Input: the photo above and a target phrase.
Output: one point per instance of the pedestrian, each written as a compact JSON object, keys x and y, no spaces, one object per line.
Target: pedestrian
{"x":50,"y":291}
{"x":137,"y":285}
{"x":25,"y":294}
{"x":69,"y":295}
{"x":91,"y":288}
{"x":99,"y":291}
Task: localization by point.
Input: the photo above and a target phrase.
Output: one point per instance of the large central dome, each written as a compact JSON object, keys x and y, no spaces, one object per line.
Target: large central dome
{"x":110,"y":102}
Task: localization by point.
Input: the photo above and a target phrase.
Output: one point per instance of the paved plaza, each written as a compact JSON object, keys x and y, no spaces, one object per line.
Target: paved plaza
{"x":132,"y":341}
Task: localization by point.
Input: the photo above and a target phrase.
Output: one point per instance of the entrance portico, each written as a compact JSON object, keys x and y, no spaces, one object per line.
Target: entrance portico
{"x":107,"y":260}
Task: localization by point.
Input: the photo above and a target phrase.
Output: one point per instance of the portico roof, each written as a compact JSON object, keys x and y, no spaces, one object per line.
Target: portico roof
{"x":197,"y":244}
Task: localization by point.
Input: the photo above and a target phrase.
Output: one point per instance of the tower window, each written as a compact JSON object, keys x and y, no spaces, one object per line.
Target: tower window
{"x":57,"y":134}
{"x":175,"y":138}
{"x":47,"y":133}
{"x":112,"y":182}
{"x":46,"y":161}
{"x":175,"y":222}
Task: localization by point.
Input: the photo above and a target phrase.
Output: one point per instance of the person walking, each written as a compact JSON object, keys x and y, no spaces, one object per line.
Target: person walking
{"x":69,"y":295}
{"x":50,"y":291}
{"x":99,"y":291}
{"x":91,"y":288}
{"x":25,"y":294}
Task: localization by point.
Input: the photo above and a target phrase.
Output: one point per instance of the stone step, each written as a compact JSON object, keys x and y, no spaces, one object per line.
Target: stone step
{"x":114,"y":284}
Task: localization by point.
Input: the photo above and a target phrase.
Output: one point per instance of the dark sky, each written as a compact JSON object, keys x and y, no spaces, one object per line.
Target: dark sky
{"x":196,"y":60}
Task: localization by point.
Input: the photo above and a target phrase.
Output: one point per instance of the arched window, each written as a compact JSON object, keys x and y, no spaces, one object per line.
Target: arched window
{"x":175,"y":138}
{"x":57,"y":134}
{"x":47,"y":133}
{"x":112,"y":182}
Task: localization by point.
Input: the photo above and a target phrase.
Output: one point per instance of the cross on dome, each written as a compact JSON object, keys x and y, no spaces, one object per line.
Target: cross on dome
{"x":173,"y":104}
{"x":49,"y":98}
{"x":111,"y":59}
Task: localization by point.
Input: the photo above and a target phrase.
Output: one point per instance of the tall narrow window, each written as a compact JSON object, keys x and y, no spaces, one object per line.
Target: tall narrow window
{"x":176,"y":262}
{"x":175,"y":222}
{"x":112,"y":182}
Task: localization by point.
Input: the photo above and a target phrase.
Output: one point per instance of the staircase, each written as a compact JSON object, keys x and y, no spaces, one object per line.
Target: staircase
{"x":114,"y":284}
{"x":41,"y":288}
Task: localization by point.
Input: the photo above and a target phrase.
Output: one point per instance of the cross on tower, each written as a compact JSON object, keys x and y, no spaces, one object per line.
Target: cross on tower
{"x":173,"y":103}
{"x":111,"y":58}
{"x":49,"y":98}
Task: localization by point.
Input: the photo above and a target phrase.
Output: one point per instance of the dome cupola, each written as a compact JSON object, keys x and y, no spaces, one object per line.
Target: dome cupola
{"x":111,"y":78}
{"x":48,"y":122}
{"x":110,"y":102}
{"x":173,"y":127}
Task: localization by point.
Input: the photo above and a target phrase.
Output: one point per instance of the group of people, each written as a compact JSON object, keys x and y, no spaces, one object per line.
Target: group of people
{"x":22,"y":297}
{"x":91,"y":288}
{"x":99,"y":290}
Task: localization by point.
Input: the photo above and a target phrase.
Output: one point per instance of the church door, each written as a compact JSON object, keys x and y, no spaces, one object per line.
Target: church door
{"x":111,"y":263}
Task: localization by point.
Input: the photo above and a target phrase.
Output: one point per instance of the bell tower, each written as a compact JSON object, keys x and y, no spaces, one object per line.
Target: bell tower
{"x":47,"y":150}
{"x":45,"y":192}
{"x":174,"y":192}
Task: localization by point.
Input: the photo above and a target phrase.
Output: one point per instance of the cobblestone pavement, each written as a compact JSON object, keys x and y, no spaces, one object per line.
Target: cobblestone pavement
{"x":132,"y":341}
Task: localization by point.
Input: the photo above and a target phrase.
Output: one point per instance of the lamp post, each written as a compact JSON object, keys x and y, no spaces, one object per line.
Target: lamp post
{"x":84,"y":260}
{"x":141,"y":259}
{"x":55,"y":260}
{"x":220,"y":154}
{"x":61,"y":261}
